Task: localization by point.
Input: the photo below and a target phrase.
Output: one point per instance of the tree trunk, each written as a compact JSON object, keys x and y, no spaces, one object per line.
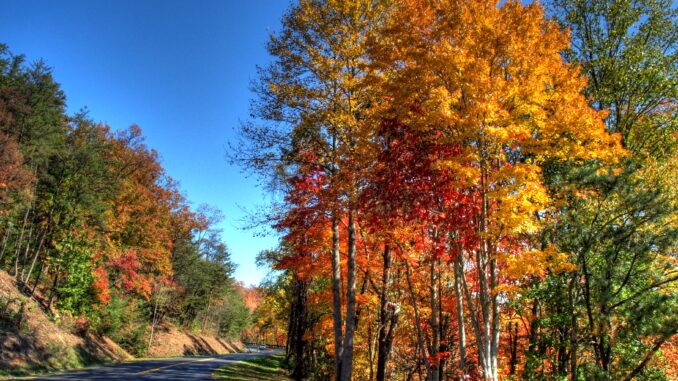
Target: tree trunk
{"x":388,"y":319}
{"x":513,"y":347}
{"x":435,"y":332}
{"x":43,"y":268}
{"x":417,"y":322}
{"x":336,"y":298}
{"x":483,"y":268}
{"x":19,"y":243}
{"x":475,"y":323}
{"x":347,"y":359}
{"x":25,"y":256}
{"x":648,"y":356}
{"x":458,"y":273}
{"x":370,"y":350}
{"x":52,"y":293}
{"x":154,"y":322}
{"x":4,"y":244}
{"x":299,"y":345}
{"x":486,"y":264}
{"x":443,"y":325}
{"x":573,"y":347}
{"x":494,"y":343}
{"x":35,"y":257}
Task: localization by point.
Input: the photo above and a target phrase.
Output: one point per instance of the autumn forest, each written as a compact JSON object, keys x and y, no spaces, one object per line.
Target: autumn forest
{"x":463,"y":190}
{"x":93,"y":228}
{"x":471,"y":189}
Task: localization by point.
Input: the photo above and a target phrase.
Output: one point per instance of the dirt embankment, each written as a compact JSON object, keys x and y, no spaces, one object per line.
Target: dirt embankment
{"x":30,"y":341}
{"x":171,"y":342}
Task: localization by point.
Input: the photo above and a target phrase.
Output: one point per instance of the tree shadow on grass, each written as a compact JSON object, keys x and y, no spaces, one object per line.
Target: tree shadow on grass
{"x":263,"y":368}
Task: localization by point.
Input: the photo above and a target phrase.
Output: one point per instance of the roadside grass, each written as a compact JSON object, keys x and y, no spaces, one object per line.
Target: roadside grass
{"x":269,"y":368}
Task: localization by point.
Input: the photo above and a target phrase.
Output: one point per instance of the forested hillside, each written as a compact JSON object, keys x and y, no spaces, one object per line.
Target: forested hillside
{"x":471,"y":189}
{"x":93,"y":228}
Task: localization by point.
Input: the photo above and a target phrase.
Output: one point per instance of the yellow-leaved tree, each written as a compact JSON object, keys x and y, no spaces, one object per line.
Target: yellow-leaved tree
{"x":489,"y":81}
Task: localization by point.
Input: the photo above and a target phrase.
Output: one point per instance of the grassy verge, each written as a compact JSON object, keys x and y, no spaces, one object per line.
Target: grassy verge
{"x":267,"y":368}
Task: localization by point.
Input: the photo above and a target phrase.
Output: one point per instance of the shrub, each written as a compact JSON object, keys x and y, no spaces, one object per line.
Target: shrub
{"x":12,"y":313}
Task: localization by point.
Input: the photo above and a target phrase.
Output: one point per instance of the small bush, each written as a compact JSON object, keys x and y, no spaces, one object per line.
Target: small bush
{"x":12,"y":312}
{"x":124,"y":322}
{"x":63,"y":357}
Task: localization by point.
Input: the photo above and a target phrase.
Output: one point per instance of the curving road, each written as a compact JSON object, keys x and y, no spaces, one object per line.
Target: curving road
{"x":180,"y":368}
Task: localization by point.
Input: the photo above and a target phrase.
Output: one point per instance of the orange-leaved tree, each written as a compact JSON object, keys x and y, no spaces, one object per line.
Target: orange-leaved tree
{"x":490,"y":81}
{"x":314,"y":90}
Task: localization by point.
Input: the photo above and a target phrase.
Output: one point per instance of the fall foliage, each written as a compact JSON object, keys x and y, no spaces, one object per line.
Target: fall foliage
{"x":94,"y":229}
{"x":463,"y":190}
{"x":465,"y":186}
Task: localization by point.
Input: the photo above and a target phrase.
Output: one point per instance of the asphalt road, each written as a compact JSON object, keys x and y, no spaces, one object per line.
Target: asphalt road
{"x":179,"y":368}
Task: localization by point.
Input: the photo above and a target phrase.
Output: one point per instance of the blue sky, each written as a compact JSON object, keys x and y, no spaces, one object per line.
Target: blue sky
{"x":178,"y":69}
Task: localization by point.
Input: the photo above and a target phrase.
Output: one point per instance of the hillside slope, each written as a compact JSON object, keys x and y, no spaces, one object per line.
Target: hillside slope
{"x":31,"y":342}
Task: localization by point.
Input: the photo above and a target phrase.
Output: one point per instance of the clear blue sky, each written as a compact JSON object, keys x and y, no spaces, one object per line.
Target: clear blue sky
{"x":178,"y":69}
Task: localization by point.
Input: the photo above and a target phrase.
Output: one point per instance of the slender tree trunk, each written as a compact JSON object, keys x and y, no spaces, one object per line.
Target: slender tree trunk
{"x":443,"y":324}
{"x":435,"y":339}
{"x":573,"y":298}
{"x":388,"y":319}
{"x":382,"y":356}
{"x":513,"y":346}
{"x":291,"y":331}
{"x":458,"y":273}
{"x":417,"y":322}
{"x":336,"y":299}
{"x":532,"y":349}
{"x":484,"y":289}
{"x":43,"y":268}
{"x":370,"y":350}
{"x":494,"y":299}
{"x":605,"y":321}
{"x":475,"y":323}
{"x":45,"y":231}
{"x":25,"y":256}
{"x":563,"y":356}
{"x":35,"y":257}
{"x":52,"y":293}
{"x":648,"y":356}
{"x":489,"y":307}
{"x":347,"y":359}
{"x":206,"y":315}
{"x":4,"y":244}
{"x":484,"y":294}
{"x":154,"y":321}
{"x":573,"y":347}
{"x":19,"y":242}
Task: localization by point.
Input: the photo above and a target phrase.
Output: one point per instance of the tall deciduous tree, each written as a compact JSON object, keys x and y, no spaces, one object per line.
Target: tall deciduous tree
{"x":314,"y":89}
{"x":491,"y":82}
